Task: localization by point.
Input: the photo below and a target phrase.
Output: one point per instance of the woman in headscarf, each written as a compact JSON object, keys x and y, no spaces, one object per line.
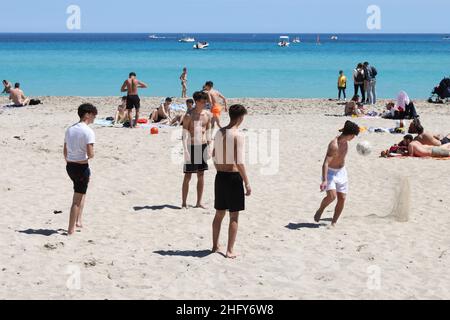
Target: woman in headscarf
{"x":405,"y":105}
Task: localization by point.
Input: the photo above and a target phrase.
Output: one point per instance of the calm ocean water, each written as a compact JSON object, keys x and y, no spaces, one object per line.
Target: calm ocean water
{"x":241,"y":65}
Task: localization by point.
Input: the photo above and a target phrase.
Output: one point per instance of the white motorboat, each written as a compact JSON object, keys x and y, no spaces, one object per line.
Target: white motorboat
{"x":333,"y":37}
{"x":296,"y":40}
{"x":284,"y":41}
{"x":187,"y":39}
{"x":201,"y":45}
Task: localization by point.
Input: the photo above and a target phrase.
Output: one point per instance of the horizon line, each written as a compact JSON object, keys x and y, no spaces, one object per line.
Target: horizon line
{"x":250,"y":33}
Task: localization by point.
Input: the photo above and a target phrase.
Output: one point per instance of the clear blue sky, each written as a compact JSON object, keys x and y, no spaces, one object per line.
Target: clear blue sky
{"x":227,"y":16}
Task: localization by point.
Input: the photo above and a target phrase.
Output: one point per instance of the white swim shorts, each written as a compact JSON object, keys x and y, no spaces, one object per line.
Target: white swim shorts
{"x":337,"y":180}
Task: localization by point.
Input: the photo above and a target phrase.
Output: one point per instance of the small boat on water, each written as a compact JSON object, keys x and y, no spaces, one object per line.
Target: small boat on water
{"x":154,"y":36}
{"x":296,"y":40}
{"x":187,"y":39}
{"x":333,"y":37}
{"x":201,"y":45}
{"x":446,"y":38}
{"x":284,"y":41}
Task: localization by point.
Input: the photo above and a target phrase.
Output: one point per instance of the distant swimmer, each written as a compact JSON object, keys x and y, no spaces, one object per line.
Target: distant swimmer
{"x":131,"y":86}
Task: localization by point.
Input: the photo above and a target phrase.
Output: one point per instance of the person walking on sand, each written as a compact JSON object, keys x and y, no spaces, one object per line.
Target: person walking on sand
{"x":78,"y":149}
{"x":342,"y":85}
{"x":228,"y":156}
{"x":131,"y":86}
{"x":196,"y":140}
{"x":334,"y":174}
{"x":216,"y":107}
{"x":183,"y":79}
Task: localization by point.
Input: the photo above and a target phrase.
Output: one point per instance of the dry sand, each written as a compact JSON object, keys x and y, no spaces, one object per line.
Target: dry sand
{"x":137,"y":245}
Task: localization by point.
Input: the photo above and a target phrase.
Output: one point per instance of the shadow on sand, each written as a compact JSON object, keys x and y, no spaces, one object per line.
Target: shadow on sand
{"x":42,"y":232}
{"x":303,"y":225}
{"x":160,"y":207}
{"x":184,"y":253}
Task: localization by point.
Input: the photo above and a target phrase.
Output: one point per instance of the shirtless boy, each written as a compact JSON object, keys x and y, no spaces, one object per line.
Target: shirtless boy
{"x":17,"y":96}
{"x":216,"y":107}
{"x":230,"y":178}
{"x":121,"y":114}
{"x":131,"y":86}
{"x":334,"y":174}
{"x":183,"y":79}
{"x":196,"y":141}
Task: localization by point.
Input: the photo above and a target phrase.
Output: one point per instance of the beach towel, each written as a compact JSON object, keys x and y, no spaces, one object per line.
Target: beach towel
{"x":178,"y":107}
{"x":156,"y":125}
{"x":386,"y":130}
{"x":103,"y":123}
{"x":13,"y":106}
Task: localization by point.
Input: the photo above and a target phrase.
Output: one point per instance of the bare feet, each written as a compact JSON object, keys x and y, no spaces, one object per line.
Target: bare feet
{"x":199,"y":205}
{"x":184,"y":206}
{"x":215,"y":249}
{"x":70,"y":232}
{"x":79,"y":225}
{"x":332,"y":226}
{"x":317,"y":216}
{"x":231,"y":255}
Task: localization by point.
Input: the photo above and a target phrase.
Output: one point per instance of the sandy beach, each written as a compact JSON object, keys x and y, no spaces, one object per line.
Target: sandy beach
{"x":138,"y":244}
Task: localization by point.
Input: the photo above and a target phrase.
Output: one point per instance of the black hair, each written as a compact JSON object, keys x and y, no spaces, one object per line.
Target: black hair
{"x":4,"y":81}
{"x":366,"y":63}
{"x":124,"y":98}
{"x":189,"y":101}
{"x":350,"y":128}
{"x":340,"y":71}
{"x":86,"y":108}
{"x":359,"y":65}
{"x":132,"y":74}
{"x":168,"y":99}
{"x":17,"y":85}
{"x":418,"y":126}
{"x":209,"y":84}
{"x":408,"y":137}
{"x":200,"y":95}
{"x":236,"y":111}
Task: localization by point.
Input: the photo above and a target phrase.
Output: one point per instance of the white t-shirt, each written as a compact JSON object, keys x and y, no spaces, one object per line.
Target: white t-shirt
{"x":77,"y":138}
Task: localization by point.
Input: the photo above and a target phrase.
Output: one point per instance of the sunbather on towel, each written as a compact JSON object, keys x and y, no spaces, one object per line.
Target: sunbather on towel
{"x":398,"y":149}
{"x":354,"y":107}
{"x":427,"y":138}
{"x":178,"y":119}
{"x":121,"y":113}
{"x":162,"y":113}
{"x":417,"y":149}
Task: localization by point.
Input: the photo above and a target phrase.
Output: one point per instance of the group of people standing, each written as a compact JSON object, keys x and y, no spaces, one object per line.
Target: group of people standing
{"x":364,"y":81}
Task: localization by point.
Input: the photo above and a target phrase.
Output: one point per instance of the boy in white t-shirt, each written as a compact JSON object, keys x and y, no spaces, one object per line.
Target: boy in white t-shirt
{"x":78,"y":149}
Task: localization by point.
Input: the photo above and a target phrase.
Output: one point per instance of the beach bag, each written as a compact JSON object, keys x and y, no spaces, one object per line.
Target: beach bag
{"x":34,"y":102}
{"x":374,"y":72}
{"x":359,"y":77}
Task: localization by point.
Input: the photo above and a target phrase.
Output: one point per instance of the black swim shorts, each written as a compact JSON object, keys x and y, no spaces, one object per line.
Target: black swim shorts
{"x":445,"y":140}
{"x":198,"y":161}
{"x":133,"y":101}
{"x":229,"y":192}
{"x":79,"y":174}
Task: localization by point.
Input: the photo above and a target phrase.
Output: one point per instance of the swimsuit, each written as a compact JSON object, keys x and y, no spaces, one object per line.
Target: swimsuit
{"x":198,"y":159}
{"x":229,"y":192}
{"x":133,"y":101}
{"x":337,"y":180}
{"x":79,"y":173}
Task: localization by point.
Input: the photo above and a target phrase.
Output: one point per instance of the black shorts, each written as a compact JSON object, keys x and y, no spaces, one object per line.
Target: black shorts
{"x":79,"y":173}
{"x":445,"y":140}
{"x":133,"y":102}
{"x":198,"y":162}
{"x":229,"y":192}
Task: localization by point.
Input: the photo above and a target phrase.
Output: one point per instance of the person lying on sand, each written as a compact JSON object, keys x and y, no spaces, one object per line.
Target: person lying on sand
{"x":178,"y":119}
{"x":427,"y":138}
{"x":121,"y":113}
{"x":162,"y":113}
{"x":398,"y":149}
{"x":417,"y":149}
{"x":17,"y":96}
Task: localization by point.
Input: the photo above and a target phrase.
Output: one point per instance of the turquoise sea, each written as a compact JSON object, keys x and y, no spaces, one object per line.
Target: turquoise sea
{"x":241,"y":65}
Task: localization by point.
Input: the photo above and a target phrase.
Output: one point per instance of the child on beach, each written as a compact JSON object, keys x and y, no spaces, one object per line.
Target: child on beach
{"x":334,"y":174}
{"x":121,"y":113}
{"x":230,"y":178}
{"x":78,"y":149}
{"x":342,"y":85}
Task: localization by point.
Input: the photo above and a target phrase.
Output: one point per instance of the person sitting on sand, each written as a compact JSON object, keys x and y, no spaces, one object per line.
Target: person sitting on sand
{"x":354,"y":107}
{"x":231,"y":178}
{"x":17,"y":96}
{"x":427,"y":138}
{"x":178,"y":119}
{"x":417,"y":149}
{"x":121,"y":113}
{"x":403,"y":109}
{"x":162,"y":113}
{"x":7,"y":86}
{"x":334,"y":174}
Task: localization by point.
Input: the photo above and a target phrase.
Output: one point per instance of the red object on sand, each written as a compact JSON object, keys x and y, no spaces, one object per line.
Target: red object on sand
{"x":142,"y":120}
{"x":154,"y":130}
